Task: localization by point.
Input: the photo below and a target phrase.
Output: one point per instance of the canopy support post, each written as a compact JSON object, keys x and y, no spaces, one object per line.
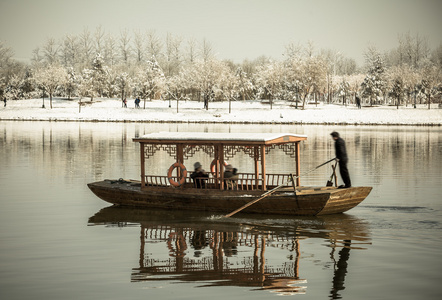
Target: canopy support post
{"x":298,"y":165}
{"x":142,"y":165}
{"x":221,"y":165}
{"x":263,"y":167}
{"x":256,"y":158}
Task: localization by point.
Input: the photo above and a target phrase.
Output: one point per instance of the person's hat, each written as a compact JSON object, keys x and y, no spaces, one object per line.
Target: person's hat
{"x":197,"y":165}
{"x":229,"y":167}
{"x":334,"y":134}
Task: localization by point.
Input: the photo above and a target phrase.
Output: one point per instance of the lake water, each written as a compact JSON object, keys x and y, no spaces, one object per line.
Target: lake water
{"x":59,"y":241}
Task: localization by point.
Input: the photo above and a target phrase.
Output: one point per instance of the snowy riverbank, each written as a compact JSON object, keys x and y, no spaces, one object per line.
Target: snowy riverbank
{"x":110,"y":110}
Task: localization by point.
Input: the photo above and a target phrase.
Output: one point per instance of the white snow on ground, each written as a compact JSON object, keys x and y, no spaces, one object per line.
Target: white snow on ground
{"x":253,"y":111}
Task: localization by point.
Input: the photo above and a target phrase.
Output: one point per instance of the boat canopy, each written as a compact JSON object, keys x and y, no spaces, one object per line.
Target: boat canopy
{"x":221,"y":146}
{"x":223,"y":138}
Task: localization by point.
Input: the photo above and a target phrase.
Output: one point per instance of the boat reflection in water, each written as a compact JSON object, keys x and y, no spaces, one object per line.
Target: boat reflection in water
{"x":193,"y":247}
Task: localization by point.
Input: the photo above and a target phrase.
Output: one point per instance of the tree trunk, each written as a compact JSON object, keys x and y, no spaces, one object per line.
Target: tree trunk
{"x":303,"y":101}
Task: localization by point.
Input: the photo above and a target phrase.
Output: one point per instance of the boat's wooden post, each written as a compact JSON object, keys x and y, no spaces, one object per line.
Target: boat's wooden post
{"x":293,"y":182}
{"x":334,"y":174}
{"x":221,"y":165}
{"x":216,"y":159}
{"x":142,"y":163}
{"x":298,"y":165}
{"x":256,"y":158}
{"x":263,"y":167}
{"x":180,"y":158}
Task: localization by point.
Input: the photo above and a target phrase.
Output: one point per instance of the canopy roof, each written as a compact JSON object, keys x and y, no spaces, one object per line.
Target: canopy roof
{"x":220,"y":138}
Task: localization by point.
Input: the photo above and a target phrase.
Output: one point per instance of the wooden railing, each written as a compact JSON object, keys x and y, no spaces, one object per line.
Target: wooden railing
{"x":245,"y":181}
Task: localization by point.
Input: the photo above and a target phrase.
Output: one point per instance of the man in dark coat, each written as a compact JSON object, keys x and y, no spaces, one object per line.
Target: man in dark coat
{"x":341,"y":155}
{"x":199,"y":176}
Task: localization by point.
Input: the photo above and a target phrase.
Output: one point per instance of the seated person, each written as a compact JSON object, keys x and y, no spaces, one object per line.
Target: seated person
{"x":230,"y":177}
{"x":199,"y":176}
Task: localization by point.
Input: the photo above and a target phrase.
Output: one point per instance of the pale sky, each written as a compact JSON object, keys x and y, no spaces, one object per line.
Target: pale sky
{"x":237,"y":29}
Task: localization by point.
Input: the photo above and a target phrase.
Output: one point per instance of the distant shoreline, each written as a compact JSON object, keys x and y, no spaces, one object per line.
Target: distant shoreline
{"x":242,"y":112}
{"x":217,"y":122}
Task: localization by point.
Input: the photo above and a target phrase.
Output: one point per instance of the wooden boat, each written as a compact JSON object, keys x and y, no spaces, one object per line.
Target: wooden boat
{"x":177,"y":190}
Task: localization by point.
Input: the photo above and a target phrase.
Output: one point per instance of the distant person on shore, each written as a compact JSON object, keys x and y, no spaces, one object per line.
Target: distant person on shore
{"x":358,"y":101}
{"x":341,"y":155}
{"x":137,"y":102}
{"x":4,"y":100}
{"x":125,"y":102}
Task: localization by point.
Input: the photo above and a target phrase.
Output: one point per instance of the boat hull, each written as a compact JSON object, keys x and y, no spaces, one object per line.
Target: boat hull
{"x":306,"y":201}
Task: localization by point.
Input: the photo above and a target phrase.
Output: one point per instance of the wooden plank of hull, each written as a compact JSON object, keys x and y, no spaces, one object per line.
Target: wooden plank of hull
{"x":309,"y":203}
{"x":342,"y":200}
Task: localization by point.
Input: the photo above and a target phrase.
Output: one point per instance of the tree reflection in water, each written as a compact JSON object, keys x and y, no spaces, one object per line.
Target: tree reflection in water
{"x":232,"y":253}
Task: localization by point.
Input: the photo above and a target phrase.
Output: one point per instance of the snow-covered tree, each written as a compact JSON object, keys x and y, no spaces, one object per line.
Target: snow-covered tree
{"x":99,"y":74}
{"x":149,"y":80}
{"x":12,"y":90}
{"x":245,"y":84}
{"x":268,"y":81}
{"x":206,"y":77}
{"x":431,"y":82}
{"x":7,"y":67}
{"x":153,"y":44}
{"x":110,"y":88}
{"x":50,"y":78}
{"x":99,"y":40}
{"x":176,"y":87}
{"x":309,"y":75}
{"x":71,"y":82}
{"x":172,"y":57}
{"x":412,"y":51}
{"x":123,"y":82}
{"x":374,"y":83}
{"x":110,"y":51}
{"x":125,"y":47}
{"x":436,"y":56}
{"x":70,"y":51}
{"x":86,"y":84}
{"x":355,"y":82}
{"x":397,"y":90}
{"x":51,"y":51}
{"x":401,"y":82}
{"x":86,"y":47}
{"x":139,"y":47}
{"x":231,"y":86}
{"x":28,"y":85}
{"x":344,"y":90}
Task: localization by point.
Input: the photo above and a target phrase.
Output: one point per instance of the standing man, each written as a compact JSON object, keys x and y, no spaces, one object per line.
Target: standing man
{"x":341,"y":155}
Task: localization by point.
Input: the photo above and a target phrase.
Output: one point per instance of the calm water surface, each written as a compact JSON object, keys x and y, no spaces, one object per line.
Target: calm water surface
{"x":59,"y":241}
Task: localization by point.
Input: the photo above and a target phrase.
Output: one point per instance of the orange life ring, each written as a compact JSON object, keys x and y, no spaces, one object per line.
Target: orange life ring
{"x":213,"y":164}
{"x":182,"y":177}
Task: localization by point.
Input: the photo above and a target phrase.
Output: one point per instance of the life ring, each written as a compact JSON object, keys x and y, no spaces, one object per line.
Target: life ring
{"x":213,"y":165}
{"x":182,"y":177}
